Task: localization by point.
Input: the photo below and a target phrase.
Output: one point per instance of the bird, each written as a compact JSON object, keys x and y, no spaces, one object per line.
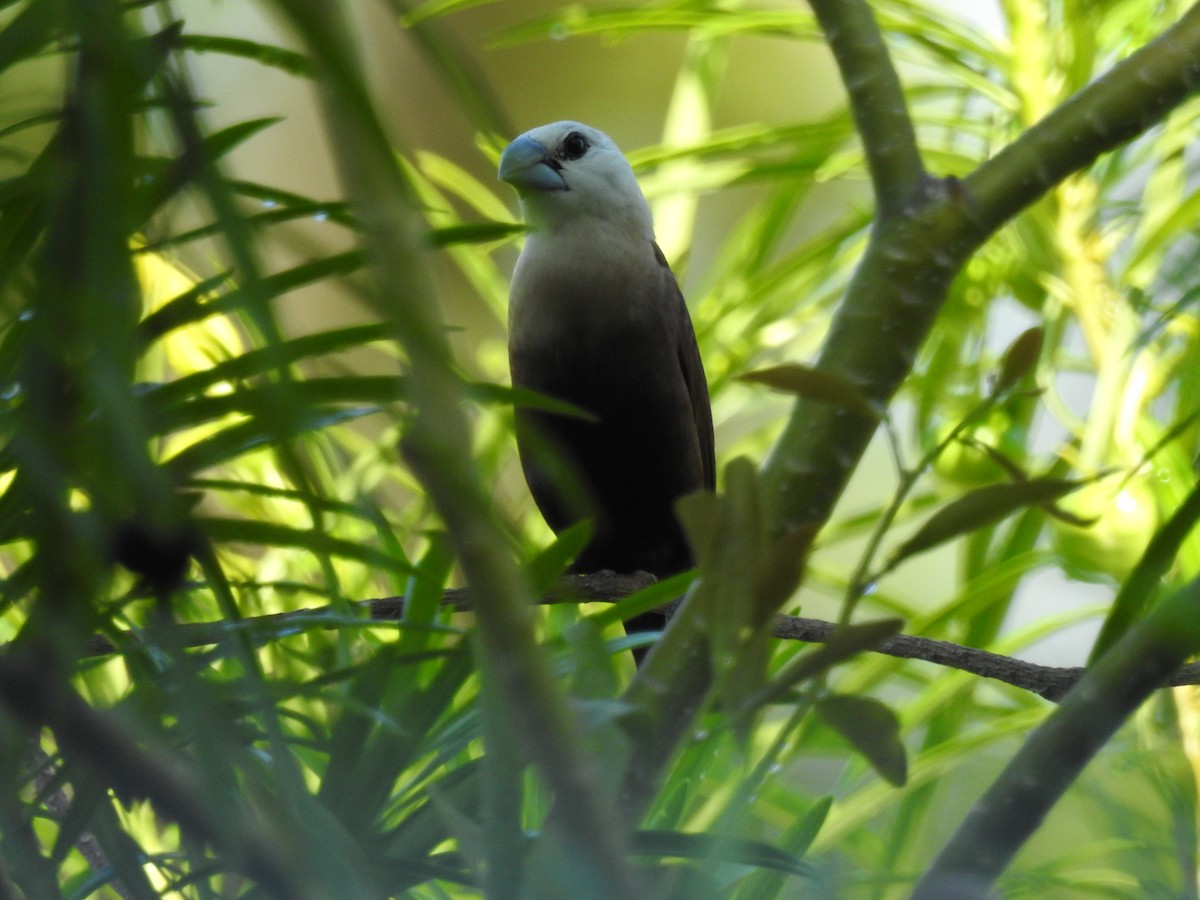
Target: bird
{"x":597,"y":319}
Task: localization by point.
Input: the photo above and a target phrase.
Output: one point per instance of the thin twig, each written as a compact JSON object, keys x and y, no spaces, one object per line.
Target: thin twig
{"x":1049,"y":682}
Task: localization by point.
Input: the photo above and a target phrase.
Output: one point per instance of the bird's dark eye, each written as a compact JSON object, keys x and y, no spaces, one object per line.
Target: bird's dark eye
{"x":574,"y":145}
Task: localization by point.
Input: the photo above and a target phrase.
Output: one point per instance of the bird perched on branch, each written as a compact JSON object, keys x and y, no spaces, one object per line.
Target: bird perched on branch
{"x":597,"y":319}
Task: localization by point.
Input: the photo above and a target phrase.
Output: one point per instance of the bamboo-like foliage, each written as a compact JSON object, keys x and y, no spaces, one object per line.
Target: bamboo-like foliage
{"x":195,"y":498}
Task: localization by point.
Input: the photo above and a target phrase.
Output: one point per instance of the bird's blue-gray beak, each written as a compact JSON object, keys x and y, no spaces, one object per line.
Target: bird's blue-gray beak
{"x":526,"y":165}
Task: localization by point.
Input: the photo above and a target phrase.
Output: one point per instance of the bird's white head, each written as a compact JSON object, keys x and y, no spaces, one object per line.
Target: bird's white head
{"x":567,"y":174}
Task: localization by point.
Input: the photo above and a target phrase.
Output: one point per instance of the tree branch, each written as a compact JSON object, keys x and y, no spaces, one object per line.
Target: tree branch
{"x":1049,"y":682}
{"x":1053,"y":756}
{"x":1134,"y":95}
{"x":876,"y":101}
{"x":899,"y":287}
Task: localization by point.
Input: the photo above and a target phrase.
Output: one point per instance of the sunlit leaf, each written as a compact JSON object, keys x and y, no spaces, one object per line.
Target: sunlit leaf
{"x":1141,"y":588}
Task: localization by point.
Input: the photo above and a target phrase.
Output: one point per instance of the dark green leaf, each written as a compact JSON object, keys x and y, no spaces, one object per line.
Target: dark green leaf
{"x":239,"y":439}
{"x":265,"y":401}
{"x":1140,"y":589}
{"x":698,"y":513}
{"x":272,"y":534}
{"x":795,"y":841}
{"x":646,"y":599}
{"x":1020,"y":359}
{"x":486,"y":392}
{"x":688,"y":845}
{"x":845,"y":643}
{"x":872,"y":729}
{"x":196,"y":305}
{"x":474,"y":233}
{"x":551,"y":562}
{"x":817,"y":385}
{"x":261,"y":361}
{"x":27,"y":33}
{"x":267,"y":54}
{"x":781,"y":571}
{"x":978,"y":508}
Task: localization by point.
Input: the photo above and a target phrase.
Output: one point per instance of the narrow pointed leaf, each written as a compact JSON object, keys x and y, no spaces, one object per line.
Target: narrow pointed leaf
{"x":845,"y":643}
{"x":646,"y":599}
{"x":978,"y":508}
{"x":782,"y":569}
{"x":689,"y":845}
{"x":486,"y":392}
{"x":1139,"y":591}
{"x":698,"y":513}
{"x":815,"y":384}
{"x":244,"y":437}
{"x":271,"y":534}
{"x":1020,"y":359}
{"x":545,"y":568}
{"x":473,"y":233}
{"x":872,"y":729}
{"x":267,"y":54}
{"x":795,"y":841}
{"x":261,"y":361}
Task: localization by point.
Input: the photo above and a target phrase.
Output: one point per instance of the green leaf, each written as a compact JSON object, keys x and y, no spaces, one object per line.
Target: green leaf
{"x":845,"y":643}
{"x":782,"y":570}
{"x":817,"y":385}
{"x":1019,"y":359}
{"x":273,"y":534}
{"x":474,"y":233}
{"x":872,"y":729}
{"x":267,"y":54}
{"x":646,"y":599}
{"x":195,"y":304}
{"x":423,"y":599}
{"x":489,"y":393}
{"x":795,"y":841}
{"x":1140,"y":589}
{"x":698,"y":514}
{"x":983,"y":506}
{"x":264,"y":360}
{"x":244,"y":437}
{"x":552,"y":561}
{"x":26,"y":34}
{"x":688,"y":845}
{"x":264,"y":402}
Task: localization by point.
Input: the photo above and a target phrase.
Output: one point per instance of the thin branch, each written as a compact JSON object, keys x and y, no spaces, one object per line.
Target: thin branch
{"x":876,"y":101}
{"x":1049,"y":682}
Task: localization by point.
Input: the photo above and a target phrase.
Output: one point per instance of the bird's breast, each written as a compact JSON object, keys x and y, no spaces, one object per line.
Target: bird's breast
{"x":572,"y":292}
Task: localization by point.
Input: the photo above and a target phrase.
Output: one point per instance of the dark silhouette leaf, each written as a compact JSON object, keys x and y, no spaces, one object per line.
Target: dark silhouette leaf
{"x":872,"y":728}
{"x":815,"y":384}
{"x":980,"y":507}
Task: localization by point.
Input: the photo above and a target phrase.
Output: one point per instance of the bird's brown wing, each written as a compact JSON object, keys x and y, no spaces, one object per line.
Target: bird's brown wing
{"x":692,"y":368}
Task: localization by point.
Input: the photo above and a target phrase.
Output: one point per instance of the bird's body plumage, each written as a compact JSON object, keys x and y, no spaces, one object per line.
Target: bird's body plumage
{"x":597,"y":319}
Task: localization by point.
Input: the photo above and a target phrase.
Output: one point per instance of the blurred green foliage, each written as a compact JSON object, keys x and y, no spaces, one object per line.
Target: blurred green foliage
{"x":173,"y":454}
